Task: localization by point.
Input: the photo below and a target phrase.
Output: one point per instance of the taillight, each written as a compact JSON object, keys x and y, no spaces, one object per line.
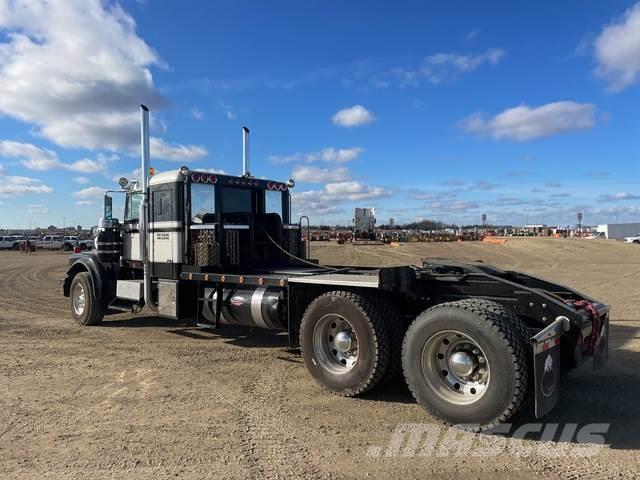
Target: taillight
{"x":195,"y":177}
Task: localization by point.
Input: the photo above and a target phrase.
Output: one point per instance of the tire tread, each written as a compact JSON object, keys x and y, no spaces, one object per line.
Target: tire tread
{"x":374,"y":315}
{"x":514,"y":333}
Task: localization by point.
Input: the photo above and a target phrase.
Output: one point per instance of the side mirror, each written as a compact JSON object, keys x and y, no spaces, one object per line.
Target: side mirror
{"x":108,"y":208}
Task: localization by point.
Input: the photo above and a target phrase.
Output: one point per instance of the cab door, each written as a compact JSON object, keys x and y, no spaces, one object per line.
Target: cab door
{"x":166,"y":229}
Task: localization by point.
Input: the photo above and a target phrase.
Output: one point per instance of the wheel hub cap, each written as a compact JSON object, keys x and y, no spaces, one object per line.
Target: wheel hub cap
{"x":455,"y":367}
{"x":78,"y":300}
{"x":335,"y":344}
{"x":462,"y":364}
{"x":343,"y":341}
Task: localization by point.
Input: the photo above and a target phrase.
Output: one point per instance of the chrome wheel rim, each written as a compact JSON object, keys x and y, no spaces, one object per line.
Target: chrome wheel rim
{"x":335,"y":344}
{"x":455,"y":367}
{"x":79,"y":300}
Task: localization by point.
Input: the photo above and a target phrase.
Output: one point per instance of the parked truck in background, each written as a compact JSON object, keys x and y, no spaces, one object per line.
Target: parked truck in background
{"x":70,"y":243}
{"x":50,"y":242}
{"x":472,"y":341}
{"x":9,"y":243}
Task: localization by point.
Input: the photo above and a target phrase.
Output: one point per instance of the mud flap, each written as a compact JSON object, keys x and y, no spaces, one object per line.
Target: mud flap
{"x":546,"y":365}
{"x":601,"y":350}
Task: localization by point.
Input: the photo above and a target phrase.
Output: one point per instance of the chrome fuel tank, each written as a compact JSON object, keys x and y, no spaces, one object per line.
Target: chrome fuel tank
{"x":259,"y":307}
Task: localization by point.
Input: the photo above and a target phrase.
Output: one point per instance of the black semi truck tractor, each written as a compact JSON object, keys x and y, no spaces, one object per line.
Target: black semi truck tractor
{"x":472,"y":341}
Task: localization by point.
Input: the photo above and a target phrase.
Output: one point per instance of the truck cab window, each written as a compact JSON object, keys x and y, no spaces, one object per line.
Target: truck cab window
{"x":273,"y":202}
{"x":132,"y":207}
{"x":203,"y":201}
{"x":163,"y":206}
{"x":237,"y":200}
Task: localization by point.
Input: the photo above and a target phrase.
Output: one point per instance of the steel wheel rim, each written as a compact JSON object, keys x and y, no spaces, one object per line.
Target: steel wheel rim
{"x":335,"y":344}
{"x":456,"y":367}
{"x":79,"y":300}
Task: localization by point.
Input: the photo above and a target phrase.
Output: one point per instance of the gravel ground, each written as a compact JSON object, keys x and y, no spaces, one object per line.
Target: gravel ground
{"x":143,"y":397}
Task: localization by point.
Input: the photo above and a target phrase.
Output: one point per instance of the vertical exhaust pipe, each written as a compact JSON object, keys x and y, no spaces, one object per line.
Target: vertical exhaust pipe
{"x":144,"y":207}
{"x":245,"y":152}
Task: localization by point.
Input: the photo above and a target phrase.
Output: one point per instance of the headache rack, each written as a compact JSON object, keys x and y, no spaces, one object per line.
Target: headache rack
{"x":219,"y":244}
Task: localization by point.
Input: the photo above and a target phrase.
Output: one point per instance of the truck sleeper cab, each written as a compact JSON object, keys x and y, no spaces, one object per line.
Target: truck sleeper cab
{"x":473,"y":342}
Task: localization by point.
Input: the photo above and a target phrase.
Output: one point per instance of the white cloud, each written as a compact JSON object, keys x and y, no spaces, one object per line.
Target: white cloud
{"x":406,"y":78}
{"x":329,"y":199}
{"x":329,"y":155}
{"x":447,"y":66}
{"x":3,"y":170}
{"x":84,"y":202}
{"x":438,"y":68}
{"x":87,"y":165}
{"x":78,"y":70}
{"x":37,"y":209}
{"x":473,"y":34}
{"x":617,"y":50}
{"x":525,"y":123}
{"x":305,"y":173}
{"x":353,"y":117}
{"x":457,"y":206}
{"x":81,"y":180}
{"x":175,"y":151}
{"x":354,"y":191}
{"x":12,"y":186}
{"x":197,"y":113}
{"x":90,"y":192}
{"x":227,"y":109}
{"x":616,"y":197}
{"x":36,"y":158}
{"x":32,"y":157}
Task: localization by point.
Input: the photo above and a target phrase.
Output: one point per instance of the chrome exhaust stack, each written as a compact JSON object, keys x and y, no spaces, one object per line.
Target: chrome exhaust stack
{"x":245,"y":152}
{"x":144,"y":208}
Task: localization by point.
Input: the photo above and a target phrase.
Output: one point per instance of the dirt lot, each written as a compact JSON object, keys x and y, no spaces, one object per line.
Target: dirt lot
{"x":146,"y":398}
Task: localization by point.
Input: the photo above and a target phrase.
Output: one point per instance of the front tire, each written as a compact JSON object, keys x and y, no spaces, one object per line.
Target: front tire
{"x":86,"y":309}
{"x":468,"y":363}
{"x":345,"y":343}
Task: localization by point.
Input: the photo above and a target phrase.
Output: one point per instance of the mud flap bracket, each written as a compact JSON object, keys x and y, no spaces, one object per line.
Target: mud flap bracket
{"x":546,"y":365}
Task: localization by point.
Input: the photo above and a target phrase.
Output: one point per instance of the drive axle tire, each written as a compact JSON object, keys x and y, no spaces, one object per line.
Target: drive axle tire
{"x":86,"y":309}
{"x":345,"y":343}
{"x":468,"y":362}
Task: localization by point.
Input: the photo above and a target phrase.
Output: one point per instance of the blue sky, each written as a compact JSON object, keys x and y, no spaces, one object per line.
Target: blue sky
{"x":525,"y":111}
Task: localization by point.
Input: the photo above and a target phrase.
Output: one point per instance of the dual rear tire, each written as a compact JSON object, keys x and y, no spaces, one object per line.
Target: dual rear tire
{"x":466,"y":362}
{"x":350,"y":342}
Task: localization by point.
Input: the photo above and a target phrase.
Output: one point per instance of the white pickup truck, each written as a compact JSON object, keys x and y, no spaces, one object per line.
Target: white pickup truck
{"x":9,"y":243}
{"x":50,"y":242}
{"x":633,"y":239}
{"x":72,"y":242}
{"x":69,"y":243}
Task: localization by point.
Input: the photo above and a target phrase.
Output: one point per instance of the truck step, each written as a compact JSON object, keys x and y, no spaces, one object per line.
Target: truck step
{"x":120,"y":305}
